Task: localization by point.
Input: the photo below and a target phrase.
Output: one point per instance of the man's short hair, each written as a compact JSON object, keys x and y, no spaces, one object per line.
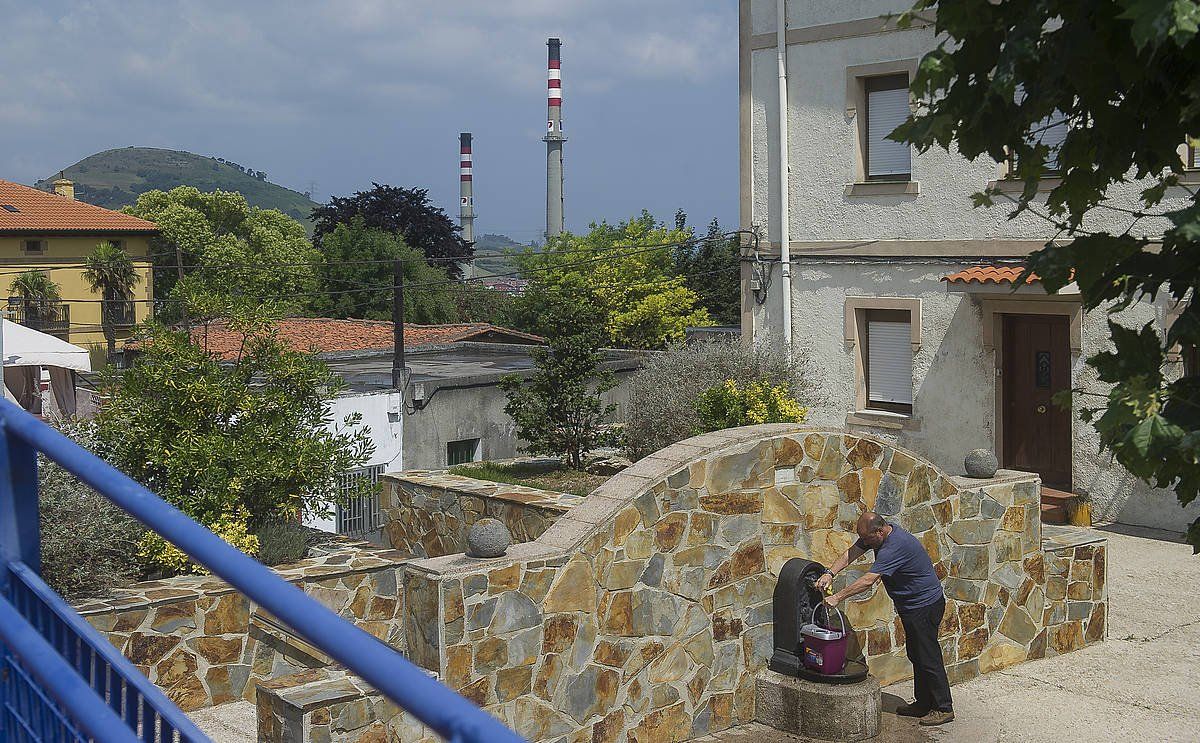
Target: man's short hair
{"x":873,"y":521}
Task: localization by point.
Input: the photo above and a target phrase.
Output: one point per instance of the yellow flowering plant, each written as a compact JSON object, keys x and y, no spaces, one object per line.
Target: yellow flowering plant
{"x":729,"y":405}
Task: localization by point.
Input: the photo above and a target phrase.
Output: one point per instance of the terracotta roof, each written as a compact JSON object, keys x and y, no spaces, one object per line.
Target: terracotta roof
{"x":323,"y":335}
{"x":28,"y":210}
{"x":990,"y":275}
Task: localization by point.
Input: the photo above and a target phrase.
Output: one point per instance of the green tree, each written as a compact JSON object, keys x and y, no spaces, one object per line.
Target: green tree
{"x":710,"y":268}
{"x":406,"y":212}
{"x":1125,"y":76}
{"x":228,"y":248}
{"x":344,"y":270}
{"x":37,"y":294}
{"x":558,"y":411}
{"x":617,"y":273}
{"x":232,"y":444}
{"x":109,"y":271}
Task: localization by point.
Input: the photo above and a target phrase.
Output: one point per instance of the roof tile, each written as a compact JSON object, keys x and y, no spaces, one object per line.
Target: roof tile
{"x":39,"y":211}
{"x":990,"y":275}
{"x":324,"y":335}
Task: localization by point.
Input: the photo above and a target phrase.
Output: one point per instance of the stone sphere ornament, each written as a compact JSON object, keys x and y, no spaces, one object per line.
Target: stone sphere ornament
{"x":488,"y":538}
{"x":981,"y":463}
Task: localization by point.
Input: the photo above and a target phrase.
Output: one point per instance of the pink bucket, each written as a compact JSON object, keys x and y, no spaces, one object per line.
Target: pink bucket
{"x":824,"y":649}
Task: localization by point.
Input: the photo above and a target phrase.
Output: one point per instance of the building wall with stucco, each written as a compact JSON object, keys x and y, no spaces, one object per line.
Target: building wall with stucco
{"x":853,"y":239}
{"x":63,"y":263}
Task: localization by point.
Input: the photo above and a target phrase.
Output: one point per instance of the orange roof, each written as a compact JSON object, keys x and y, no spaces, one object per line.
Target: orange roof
{"x":990,"y":275}
{"x":26,"y":210}
{"x":323,"y":335}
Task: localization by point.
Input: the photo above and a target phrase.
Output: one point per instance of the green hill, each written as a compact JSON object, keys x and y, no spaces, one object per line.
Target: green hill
{"x":492,"y":254}
{"x":115,"y":178}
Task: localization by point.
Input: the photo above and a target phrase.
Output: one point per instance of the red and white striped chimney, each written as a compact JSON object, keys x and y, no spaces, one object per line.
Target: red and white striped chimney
{"x":554,"y":140}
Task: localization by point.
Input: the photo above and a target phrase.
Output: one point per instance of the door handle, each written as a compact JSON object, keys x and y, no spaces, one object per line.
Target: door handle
{"x":1041,"y":409}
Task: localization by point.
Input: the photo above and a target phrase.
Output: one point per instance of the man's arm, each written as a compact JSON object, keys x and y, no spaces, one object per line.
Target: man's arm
{"x":849,"y":556}
{"x":862,"y":585}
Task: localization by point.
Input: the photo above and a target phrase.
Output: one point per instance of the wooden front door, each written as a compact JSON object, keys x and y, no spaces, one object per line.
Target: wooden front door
{"x":1037,"y":364}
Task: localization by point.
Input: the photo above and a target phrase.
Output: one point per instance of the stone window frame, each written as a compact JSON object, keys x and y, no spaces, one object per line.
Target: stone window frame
{"x":854,"y":323}
{"x":856,"y":98}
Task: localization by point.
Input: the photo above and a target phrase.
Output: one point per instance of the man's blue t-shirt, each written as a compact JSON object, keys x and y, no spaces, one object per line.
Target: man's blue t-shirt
{"x":906,"y":570}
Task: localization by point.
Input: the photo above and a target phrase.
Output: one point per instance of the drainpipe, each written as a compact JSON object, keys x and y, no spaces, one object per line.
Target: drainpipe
{"x":785,"y":258}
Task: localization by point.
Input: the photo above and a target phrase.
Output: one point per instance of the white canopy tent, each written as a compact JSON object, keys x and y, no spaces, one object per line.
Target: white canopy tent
{"x":26,"y":352}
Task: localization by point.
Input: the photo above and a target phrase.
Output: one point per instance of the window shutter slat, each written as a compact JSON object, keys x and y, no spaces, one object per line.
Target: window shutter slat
{"x":889,"y":362}
{"x":886,"y":110}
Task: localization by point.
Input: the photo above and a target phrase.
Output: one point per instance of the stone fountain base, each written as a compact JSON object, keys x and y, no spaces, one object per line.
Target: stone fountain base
{"x":843,"y":712}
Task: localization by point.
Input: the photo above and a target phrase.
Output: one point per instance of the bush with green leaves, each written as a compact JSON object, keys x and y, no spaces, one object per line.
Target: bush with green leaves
{"x":558,"y":411}
{"x":281,"y":541}
{"x":218,"y":437}
{"x":729,"y":405}
{"x":89,"y":545}
{"x":663,"y":393}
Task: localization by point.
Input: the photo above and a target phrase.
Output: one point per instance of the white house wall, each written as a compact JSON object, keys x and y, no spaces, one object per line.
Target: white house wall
{"x":822,"y":146}
{"x":386,"y":431}
{"x":954,"y":378}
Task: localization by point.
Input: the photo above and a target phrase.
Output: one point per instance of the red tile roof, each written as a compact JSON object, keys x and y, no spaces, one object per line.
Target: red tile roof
{"x":38,"y":211}
{"x":323,"y":335}
{"x":990,"y":275}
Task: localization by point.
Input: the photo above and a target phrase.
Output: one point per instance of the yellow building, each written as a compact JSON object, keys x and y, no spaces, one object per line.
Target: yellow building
{"x":54,"y":233}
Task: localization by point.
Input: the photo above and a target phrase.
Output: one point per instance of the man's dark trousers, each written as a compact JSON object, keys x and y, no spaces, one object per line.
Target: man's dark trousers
{"x":921,"y":644}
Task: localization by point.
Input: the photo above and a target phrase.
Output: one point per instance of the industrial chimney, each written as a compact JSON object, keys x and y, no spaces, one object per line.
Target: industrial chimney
{"x":554,"y":141}
{"x":466,"y":200}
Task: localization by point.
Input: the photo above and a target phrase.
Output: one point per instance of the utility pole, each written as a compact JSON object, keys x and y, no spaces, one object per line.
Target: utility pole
{"x":187,"y":325}
{"x":397,"y":324}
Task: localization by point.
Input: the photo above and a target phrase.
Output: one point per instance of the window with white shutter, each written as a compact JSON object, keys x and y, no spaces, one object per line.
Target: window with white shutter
{"x":1193,"y":160}
{"x":886,"y":108}
{"x":889,"y":360}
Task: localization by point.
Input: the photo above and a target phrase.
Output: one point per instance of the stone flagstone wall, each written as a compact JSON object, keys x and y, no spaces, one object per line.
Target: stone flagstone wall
{"x":644,"y":613}
{"x":204,"y":643}
{"x":428,"y":514}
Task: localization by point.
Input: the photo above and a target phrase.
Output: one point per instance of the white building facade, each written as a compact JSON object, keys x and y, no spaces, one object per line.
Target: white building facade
{"x":902,"y":295}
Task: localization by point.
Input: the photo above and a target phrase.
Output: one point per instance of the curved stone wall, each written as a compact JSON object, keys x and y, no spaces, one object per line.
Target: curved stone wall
{"x":644,"y":613}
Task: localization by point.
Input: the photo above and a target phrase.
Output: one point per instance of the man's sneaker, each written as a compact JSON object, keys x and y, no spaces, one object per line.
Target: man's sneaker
{"x":937,"y":717}
{"x":912,"y":710}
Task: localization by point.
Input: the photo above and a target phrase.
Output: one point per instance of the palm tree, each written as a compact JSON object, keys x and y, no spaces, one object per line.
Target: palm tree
{"x":110,"y":271}
{"x":36,"y":293}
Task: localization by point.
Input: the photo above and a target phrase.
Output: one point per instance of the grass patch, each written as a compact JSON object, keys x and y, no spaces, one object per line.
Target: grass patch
{"x":560,"y":480}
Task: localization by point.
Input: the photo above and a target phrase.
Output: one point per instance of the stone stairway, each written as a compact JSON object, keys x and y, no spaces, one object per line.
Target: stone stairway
{"x":1056,"y":506}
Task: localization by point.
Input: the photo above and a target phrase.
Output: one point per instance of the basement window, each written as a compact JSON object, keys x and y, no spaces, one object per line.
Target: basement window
{"x":462,"y":452}
{"x":33,"y":247}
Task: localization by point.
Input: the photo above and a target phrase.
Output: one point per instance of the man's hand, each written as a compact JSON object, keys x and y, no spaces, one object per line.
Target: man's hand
{"x":831,"y":601}
{"x":823,"y":581}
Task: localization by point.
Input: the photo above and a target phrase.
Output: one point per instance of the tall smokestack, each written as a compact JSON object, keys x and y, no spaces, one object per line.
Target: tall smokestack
{"x":466,"y":201}
{"x":554,"y":141}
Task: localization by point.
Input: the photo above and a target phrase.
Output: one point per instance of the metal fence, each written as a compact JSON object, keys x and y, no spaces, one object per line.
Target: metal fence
{"x":359,"y":515}
{"x":60,"y":680}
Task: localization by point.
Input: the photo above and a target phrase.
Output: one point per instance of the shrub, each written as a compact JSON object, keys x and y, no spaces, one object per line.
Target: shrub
{"x":281,"y":542}
{"x":160,"y":554}
{"x":558,"y":410}
{"x":663,"y":393}
{"x":728,"y":405}
{"x":89,"y":545}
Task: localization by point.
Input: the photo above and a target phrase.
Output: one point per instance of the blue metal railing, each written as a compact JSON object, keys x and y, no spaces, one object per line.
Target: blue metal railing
{"x":60,"y":680}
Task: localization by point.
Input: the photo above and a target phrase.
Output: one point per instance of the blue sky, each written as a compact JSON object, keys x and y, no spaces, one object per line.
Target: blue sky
{"x":349,"y":92}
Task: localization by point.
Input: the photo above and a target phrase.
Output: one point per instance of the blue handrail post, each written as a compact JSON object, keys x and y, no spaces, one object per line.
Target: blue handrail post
{"x":20,"y":536}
